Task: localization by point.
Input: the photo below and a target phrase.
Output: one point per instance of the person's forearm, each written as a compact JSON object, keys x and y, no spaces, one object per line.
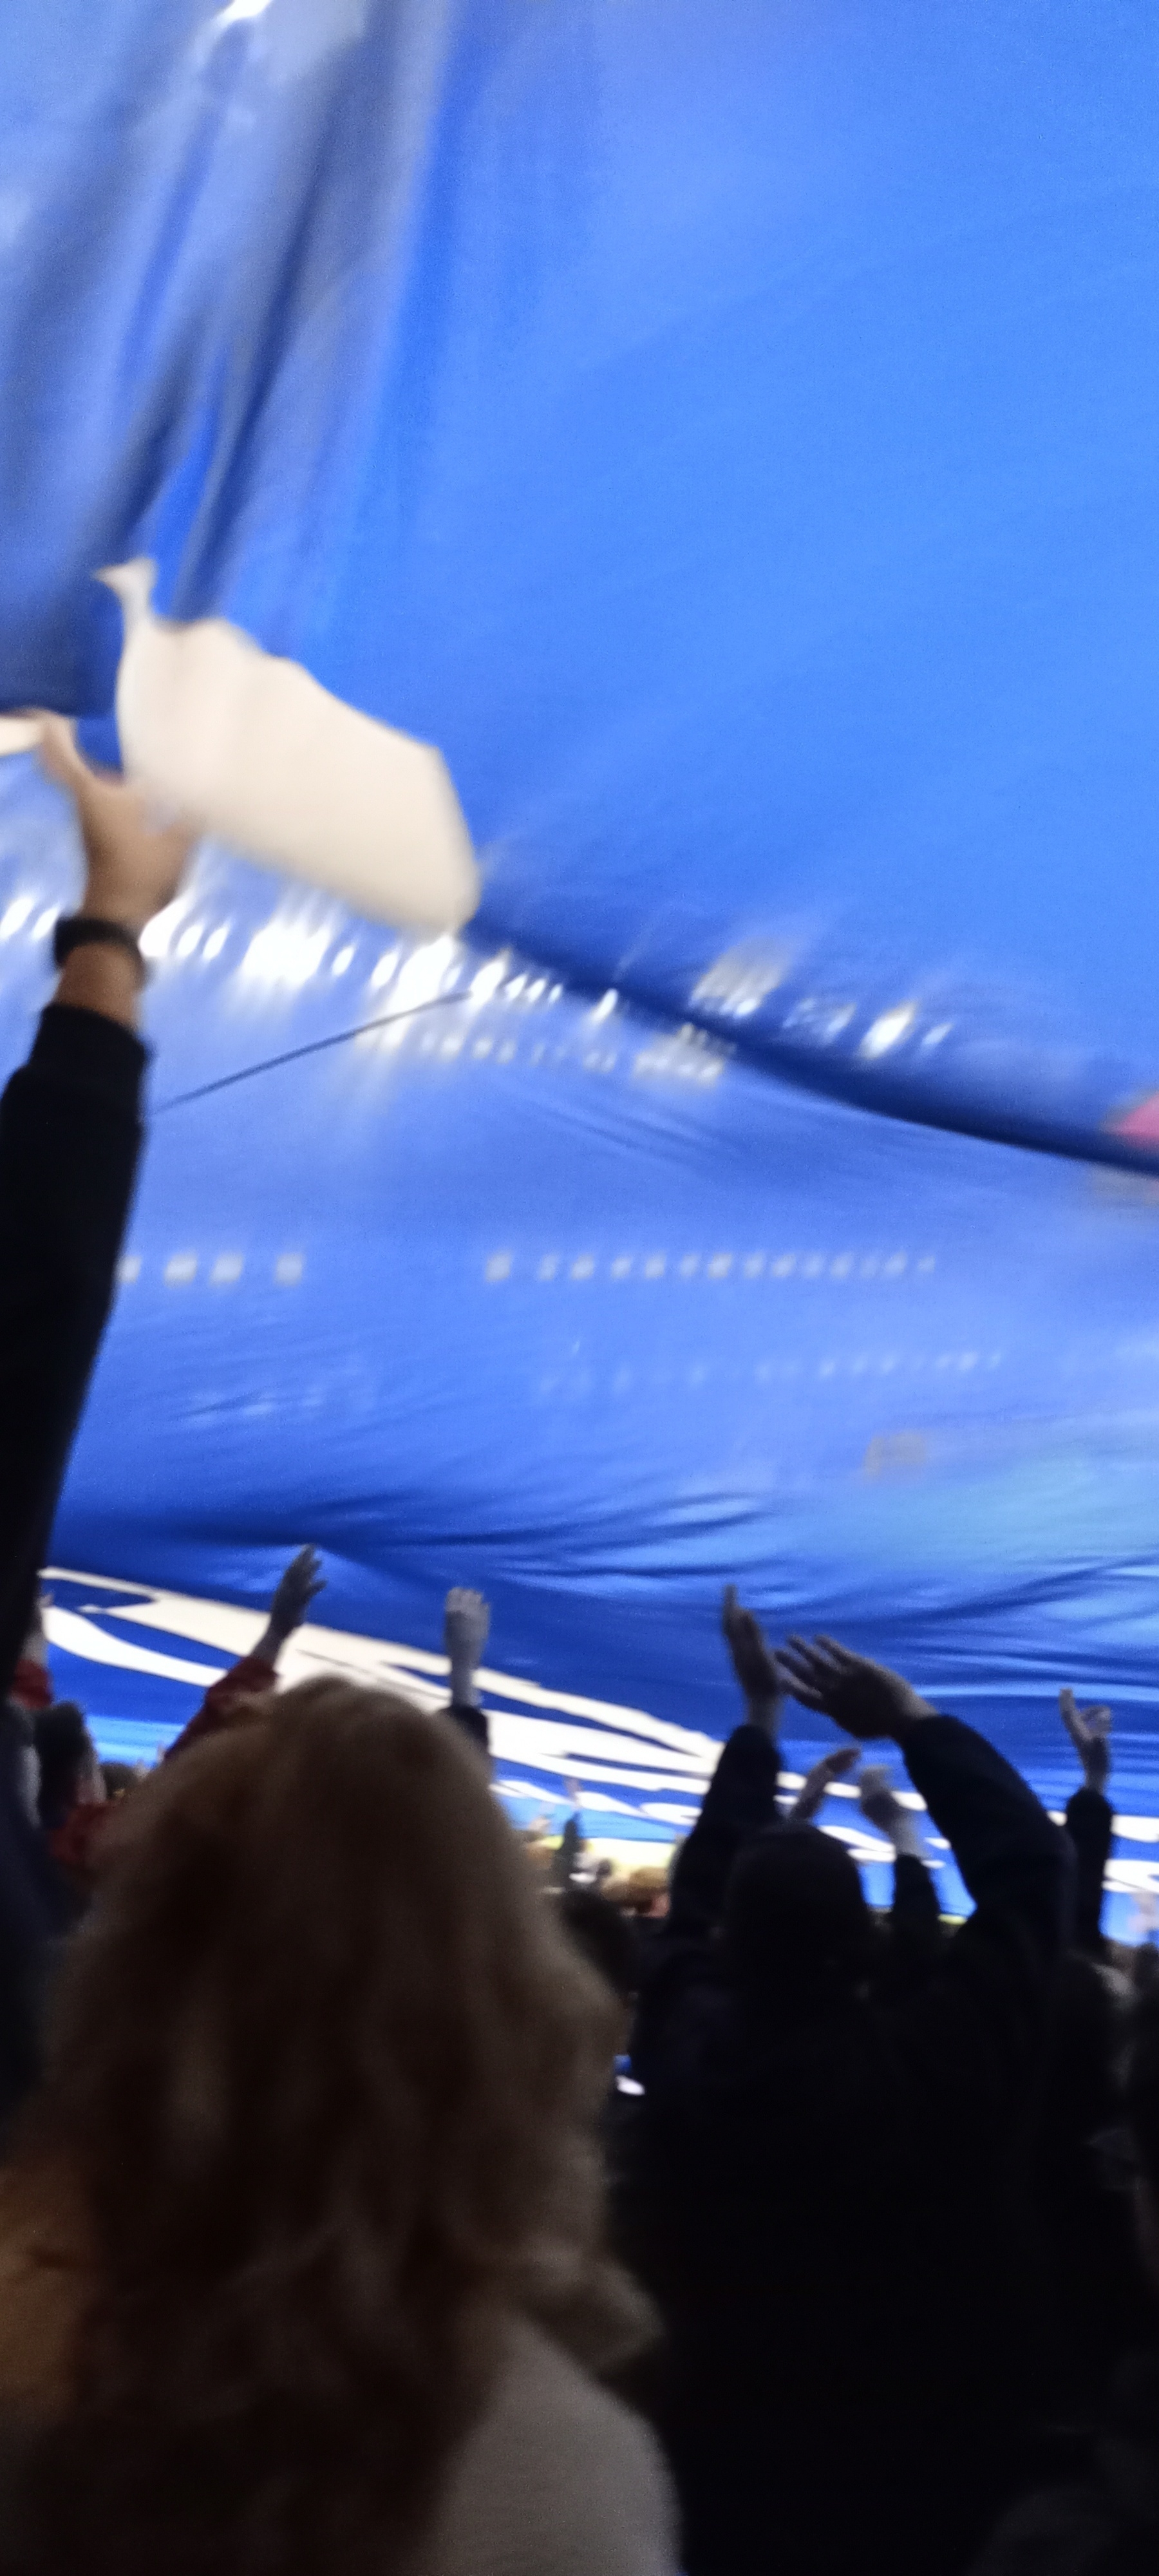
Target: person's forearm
{"x":1090,"y":1824}
{"x":464,"y":1688}
{"x":466,"y":1627}
{"x":472,"y":1720}
{"x":903,"y":1833}
{"x":740,"y":1801}
{"x":253,"y":1678}
{"x":1002,"y":1839}
{"x":69,"y":1142}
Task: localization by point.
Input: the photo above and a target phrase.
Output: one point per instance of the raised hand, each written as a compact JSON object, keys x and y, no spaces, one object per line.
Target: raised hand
{"x":832,"y":1766}
{"x":863,"y":1697}
{"x":299,"y":1586}
{"x":881,"y":1806}
{"x":134,"y":858}
{"x":466,"y":1628}
{"x":753,"y":1660}
{"x":1089,"y":1730}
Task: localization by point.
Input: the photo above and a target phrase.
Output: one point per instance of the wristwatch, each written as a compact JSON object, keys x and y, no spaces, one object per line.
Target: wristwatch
{"x":84,"y":930}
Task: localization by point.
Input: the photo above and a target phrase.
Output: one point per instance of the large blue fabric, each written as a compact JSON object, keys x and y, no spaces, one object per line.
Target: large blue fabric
{"x":732,"y":437}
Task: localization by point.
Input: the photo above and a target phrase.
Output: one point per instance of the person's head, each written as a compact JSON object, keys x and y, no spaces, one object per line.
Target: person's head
{"x":797,"y":1933}
{"x":68,"y":1761}
{"x":606,"y":1938}
{"x":119,"y":1777}
{"x":645,"y":1892}
{"x":325,"y":2075}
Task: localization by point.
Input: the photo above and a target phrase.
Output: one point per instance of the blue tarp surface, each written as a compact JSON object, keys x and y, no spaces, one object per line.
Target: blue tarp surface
{"x":733,"y":437}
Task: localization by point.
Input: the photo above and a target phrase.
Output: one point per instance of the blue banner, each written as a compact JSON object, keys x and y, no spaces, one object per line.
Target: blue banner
{"x":732,"y":439}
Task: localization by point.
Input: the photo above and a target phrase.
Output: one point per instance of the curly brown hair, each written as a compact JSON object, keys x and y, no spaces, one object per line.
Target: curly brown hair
{"x":325,"y":2076}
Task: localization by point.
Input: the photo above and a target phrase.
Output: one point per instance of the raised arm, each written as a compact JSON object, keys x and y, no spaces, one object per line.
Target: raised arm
{"x":974,"y":2024}
{"x":741,"y":1798}
{"x":1090,"y":1820}
{"x":1005,"y":1846}
{"x":70,"y":1135}
{"x":466,"y":1628}
{"x":914,"y":1934}
{"x":296,"y":1594}
{"x":818,"y":1782}
{"x":300,"y":1585}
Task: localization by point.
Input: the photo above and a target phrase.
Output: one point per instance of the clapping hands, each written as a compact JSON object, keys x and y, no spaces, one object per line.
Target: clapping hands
{"x":863,"y":1697}
{"x":753,"y":1660}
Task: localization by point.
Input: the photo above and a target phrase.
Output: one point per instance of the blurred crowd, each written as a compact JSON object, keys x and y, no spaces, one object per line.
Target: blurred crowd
{"x":381,"y":2188}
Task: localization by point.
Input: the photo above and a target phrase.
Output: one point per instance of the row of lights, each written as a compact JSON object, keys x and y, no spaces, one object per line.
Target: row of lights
{"x":742,"y":979}
{"x":769,"y":1372}
{"x":290,"y":949}
{"x":19,"y":913}
{"x":721,"y":1265}
{"x":224,"y":1271}
{"x":689,"y":1055}
{"x":395,"y":1034}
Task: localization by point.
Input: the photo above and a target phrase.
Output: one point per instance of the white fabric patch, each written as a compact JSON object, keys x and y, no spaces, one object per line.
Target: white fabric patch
{"x":18,"y":733}
{"x":252,"y":749}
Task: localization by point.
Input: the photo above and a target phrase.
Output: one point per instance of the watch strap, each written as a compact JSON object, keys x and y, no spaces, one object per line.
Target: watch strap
{"x":84,"y":930}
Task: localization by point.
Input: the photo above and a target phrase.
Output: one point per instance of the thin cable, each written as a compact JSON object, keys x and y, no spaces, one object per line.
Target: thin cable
{"x":316,"y":1046}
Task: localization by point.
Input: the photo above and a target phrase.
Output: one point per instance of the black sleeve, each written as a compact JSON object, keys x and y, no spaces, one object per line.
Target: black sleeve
{"x":34,"y":1911}
{"x":70,"y":1136}
{"x":972,"y":2031}
{"x":740,"y":1801}
{"x":1090,"y":1823}
{"x":1009,"y":1853}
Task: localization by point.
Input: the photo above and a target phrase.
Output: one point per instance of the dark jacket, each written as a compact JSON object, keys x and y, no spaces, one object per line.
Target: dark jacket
{"x":819,"y":2202}
{"x":70,"y":1136}
{"x":35,"y":1911}
{"x":1106,"y":2523}
{"x":1090,"y":1822}
{"x":1089,"y":2304}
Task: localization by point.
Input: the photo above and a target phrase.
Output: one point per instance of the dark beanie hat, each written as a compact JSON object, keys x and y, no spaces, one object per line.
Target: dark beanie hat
{"x":796,"y":1924}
